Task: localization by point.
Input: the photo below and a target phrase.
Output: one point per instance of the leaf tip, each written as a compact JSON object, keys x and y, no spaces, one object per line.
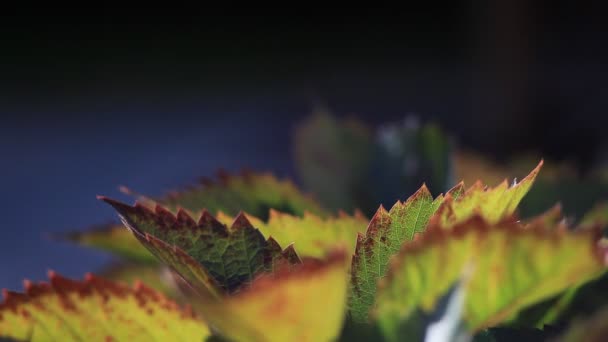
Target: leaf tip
{"x":240,"y":222}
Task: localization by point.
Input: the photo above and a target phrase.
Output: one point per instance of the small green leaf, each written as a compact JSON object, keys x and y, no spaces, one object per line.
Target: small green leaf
{"x":385,"y":234}
{"x":207,"y":253}
{"x":95,"y":310}
{"x":512,"y":267}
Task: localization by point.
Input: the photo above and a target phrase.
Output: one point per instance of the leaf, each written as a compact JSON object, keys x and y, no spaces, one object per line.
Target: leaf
{"x":253,"y":193}
{"x":340,"y":159}
{"x":332,"y":157}
{"x":512,"y":267}
{"x":310,"y":235}
{"x":492,"y":204}
{"x":158,"y":277}
{"x":111,"y":238}
{"x":211,"y":256}
{"x":304,"y":303}
{"x":386,"y":232}
{"x":94,"y":310}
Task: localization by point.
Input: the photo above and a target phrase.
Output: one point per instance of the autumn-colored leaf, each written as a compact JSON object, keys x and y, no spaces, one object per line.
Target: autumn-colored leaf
{"x":385,"y":234}
{"x":512,"y":267}
{"x":310,"y":235}
{"x":304,"y":303}
{"x":253,"y":193}
{"x":95,"y":310}
{"x":210,"y":255}
{"x":159,"y":277}
{"x":492,"y":204}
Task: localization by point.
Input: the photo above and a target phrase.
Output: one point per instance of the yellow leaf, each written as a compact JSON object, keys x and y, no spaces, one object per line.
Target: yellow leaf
{"x":304,"y":303}
{"x":512,"y":267}
{"x":95,"y":310}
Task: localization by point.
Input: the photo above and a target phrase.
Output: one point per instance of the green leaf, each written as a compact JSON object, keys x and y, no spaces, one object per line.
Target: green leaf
{"x":512,"y":267}
{"x":310,"y":235}
{"x":95,"y":310}
{"x":492,"y":204}
{"x":386,"y":232}
{"x":340,"y":159}
{"x":332,"y":157}
{"x":253,"y":193}
{"x":306,"y":302}
{"x":209,"y":254}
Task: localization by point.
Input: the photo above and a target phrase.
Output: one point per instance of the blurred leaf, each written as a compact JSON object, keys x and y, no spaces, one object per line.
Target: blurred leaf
{"x":112,"y":238}
{"x":253,"y":193}
{"x":310,"y":235}
{"x":158,"y":277}
{"x":95,"y":310}
{"x":342,"y":160}
{"x":306,"y":302}
{"x":332,"y":157}
{"x":513,"y":267}
{"x":597,"y":215}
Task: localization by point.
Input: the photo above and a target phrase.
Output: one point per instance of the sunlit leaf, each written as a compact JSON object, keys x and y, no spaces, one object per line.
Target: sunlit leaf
{"x":385,"y":234}
{"x":310,"y":235}
{"x":304,"y":303}
{"x":512,"y":267}
{"x":95,"y":310}
{"x":492,"y":204}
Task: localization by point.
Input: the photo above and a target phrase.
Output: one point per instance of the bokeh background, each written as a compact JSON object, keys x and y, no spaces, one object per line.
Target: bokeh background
{"x":92,"y":102}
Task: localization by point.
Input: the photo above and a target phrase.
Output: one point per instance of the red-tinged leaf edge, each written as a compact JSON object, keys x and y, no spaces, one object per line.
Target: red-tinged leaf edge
{"x":62,"y":286}
{"x":376,"y":223}
{"x":167,"y":221}
{"x":435,"y":234}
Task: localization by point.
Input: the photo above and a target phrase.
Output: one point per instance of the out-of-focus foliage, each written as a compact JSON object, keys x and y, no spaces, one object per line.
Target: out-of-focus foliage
{"x":350,"y":165}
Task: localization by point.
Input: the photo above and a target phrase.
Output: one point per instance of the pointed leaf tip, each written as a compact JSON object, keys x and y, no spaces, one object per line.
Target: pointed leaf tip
{"x":240,"y":222}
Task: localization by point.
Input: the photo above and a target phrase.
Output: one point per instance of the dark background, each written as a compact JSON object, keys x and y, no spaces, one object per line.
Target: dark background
{"x":107,"y":98}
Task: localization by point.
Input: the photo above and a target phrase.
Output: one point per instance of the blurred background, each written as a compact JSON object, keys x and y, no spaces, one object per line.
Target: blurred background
{"x":90,"y":103}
